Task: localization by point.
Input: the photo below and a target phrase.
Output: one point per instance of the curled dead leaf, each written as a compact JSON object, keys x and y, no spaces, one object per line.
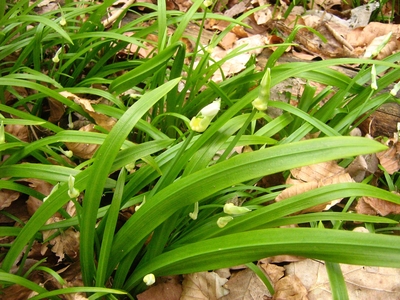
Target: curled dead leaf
{"x":390,"y":159}
{"x":311,"y":177}
{"x":19,"y":131}
{"x":85,"y":151}
{"x":375,"y":205}
{"x":7,"y":197}
{"x":102,"y":120}
{"x":66,"y":243}
{"x":203,"y":285}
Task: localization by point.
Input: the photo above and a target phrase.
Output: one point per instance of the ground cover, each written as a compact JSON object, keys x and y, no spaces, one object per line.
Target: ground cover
{"x":198,"y":150}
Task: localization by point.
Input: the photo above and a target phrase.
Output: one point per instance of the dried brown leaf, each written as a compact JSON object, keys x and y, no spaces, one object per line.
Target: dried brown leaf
{"x":290,"y":288}
{"x":7,"y":197}
{"x":382,"y":207}
{"x":363,"y":36}
{"x":66,"y":243}
{"x":314,"y":176}
{"x":317,"y":171}
{"x":245,"y":285}
{"x":361,"y":282}
{"x":100,"y":119}
{"x":85,"y":151}
{"x":273,"y":271}
{"x":57,"y":110}
{"x":19,"y":131}
{"x":166,"y":288}
{"x":203,"y":285}
{"x":390,"y":159}
{"x":38,"y":185}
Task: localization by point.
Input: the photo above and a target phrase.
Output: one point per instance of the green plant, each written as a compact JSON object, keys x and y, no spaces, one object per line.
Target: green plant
{"x":175,"y":169}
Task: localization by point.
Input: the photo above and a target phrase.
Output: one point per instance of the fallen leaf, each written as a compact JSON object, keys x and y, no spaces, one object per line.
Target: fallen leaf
{"x":363,"y":283}
{"x":40,"y":186}
{"x":100,"y":119}
{"x":83,"y":150}
{"x":166,"y":288}
{"x":203,"y":285}
{"x":65,"y":243}
{"x":245,"y":285}
{"x":390,"y":159}
{"x":382,"y":207}
{"x":274,"y":272}
{"x":7,"y":197}
{"x":57,"y":110}
{"x":314,"y":176}
{"x":290,"y":288}
{"x":19,"y":131}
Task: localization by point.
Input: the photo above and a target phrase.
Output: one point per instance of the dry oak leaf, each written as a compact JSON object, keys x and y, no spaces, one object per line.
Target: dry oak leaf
{"x":203,"y":285}
{"x":100,"y":119}
{"x":166,"y":288}
{"x":245,"y":285}
{"x":274,"y":272}
{"x":66,"y":243}
{"x":390,"y":159}
{"x":290,"y":288}
{"x":363,"y":283}
{"x":85,"y":151}
{"x":40,"y":186}
{"x":314,"y":176}
{"x":7,"y":197}
{"x":379,"y":206}
{"x":363,"y":36}
{"x":19,"y":131}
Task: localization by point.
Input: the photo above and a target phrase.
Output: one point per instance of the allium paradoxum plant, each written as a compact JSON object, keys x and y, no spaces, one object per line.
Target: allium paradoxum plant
{"x":261,"y":102}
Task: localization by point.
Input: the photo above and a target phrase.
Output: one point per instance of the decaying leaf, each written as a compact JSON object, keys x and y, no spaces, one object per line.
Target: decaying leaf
{"x":245,"y":284}
{"x":66,"y":243}
{"x":7,"y":197}
{"x":290,"y":288}
{"x":19,"y":131}
{"x":203,"y":285}
{"x":370,"y":205}
{"x":38,"y":185}
{"x":166,"y":288}
{"x":311,"y":177}
{"x":57,"y":110}
{"x":83,"y":150}
{"x":390,"y":159}
{"x":273,"y":271}
{"x":363,"y":283}
{"x":100,"y":119}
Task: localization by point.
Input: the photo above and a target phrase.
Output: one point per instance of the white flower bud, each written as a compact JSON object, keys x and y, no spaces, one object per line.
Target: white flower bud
{"x":72,"y":191}
{"x":222,"y":221}
{"x":149,"y":279}
{"x":232,"y":209}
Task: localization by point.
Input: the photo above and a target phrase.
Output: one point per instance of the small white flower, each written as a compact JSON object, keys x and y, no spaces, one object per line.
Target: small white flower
{"x":195,"y":213}
{"x":222,"y":221}
{"x":205,"y":116}
{"x":149,"y":279}
{"x":232,"y":209}
{"x":211,"y":109}
{"x":207,"y":3}
{"x":72,"y":191}
{"x":395,"y":89}
{"x":63,"y":22}
{"x":374,"y":86}
{"x":56,"y":59}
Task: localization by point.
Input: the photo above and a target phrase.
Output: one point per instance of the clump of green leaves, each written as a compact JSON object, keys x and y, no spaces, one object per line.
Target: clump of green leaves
{"x":153,"y":159}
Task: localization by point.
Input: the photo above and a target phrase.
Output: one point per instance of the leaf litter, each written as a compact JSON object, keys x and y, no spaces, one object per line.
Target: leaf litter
{"x":349,"y":34}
